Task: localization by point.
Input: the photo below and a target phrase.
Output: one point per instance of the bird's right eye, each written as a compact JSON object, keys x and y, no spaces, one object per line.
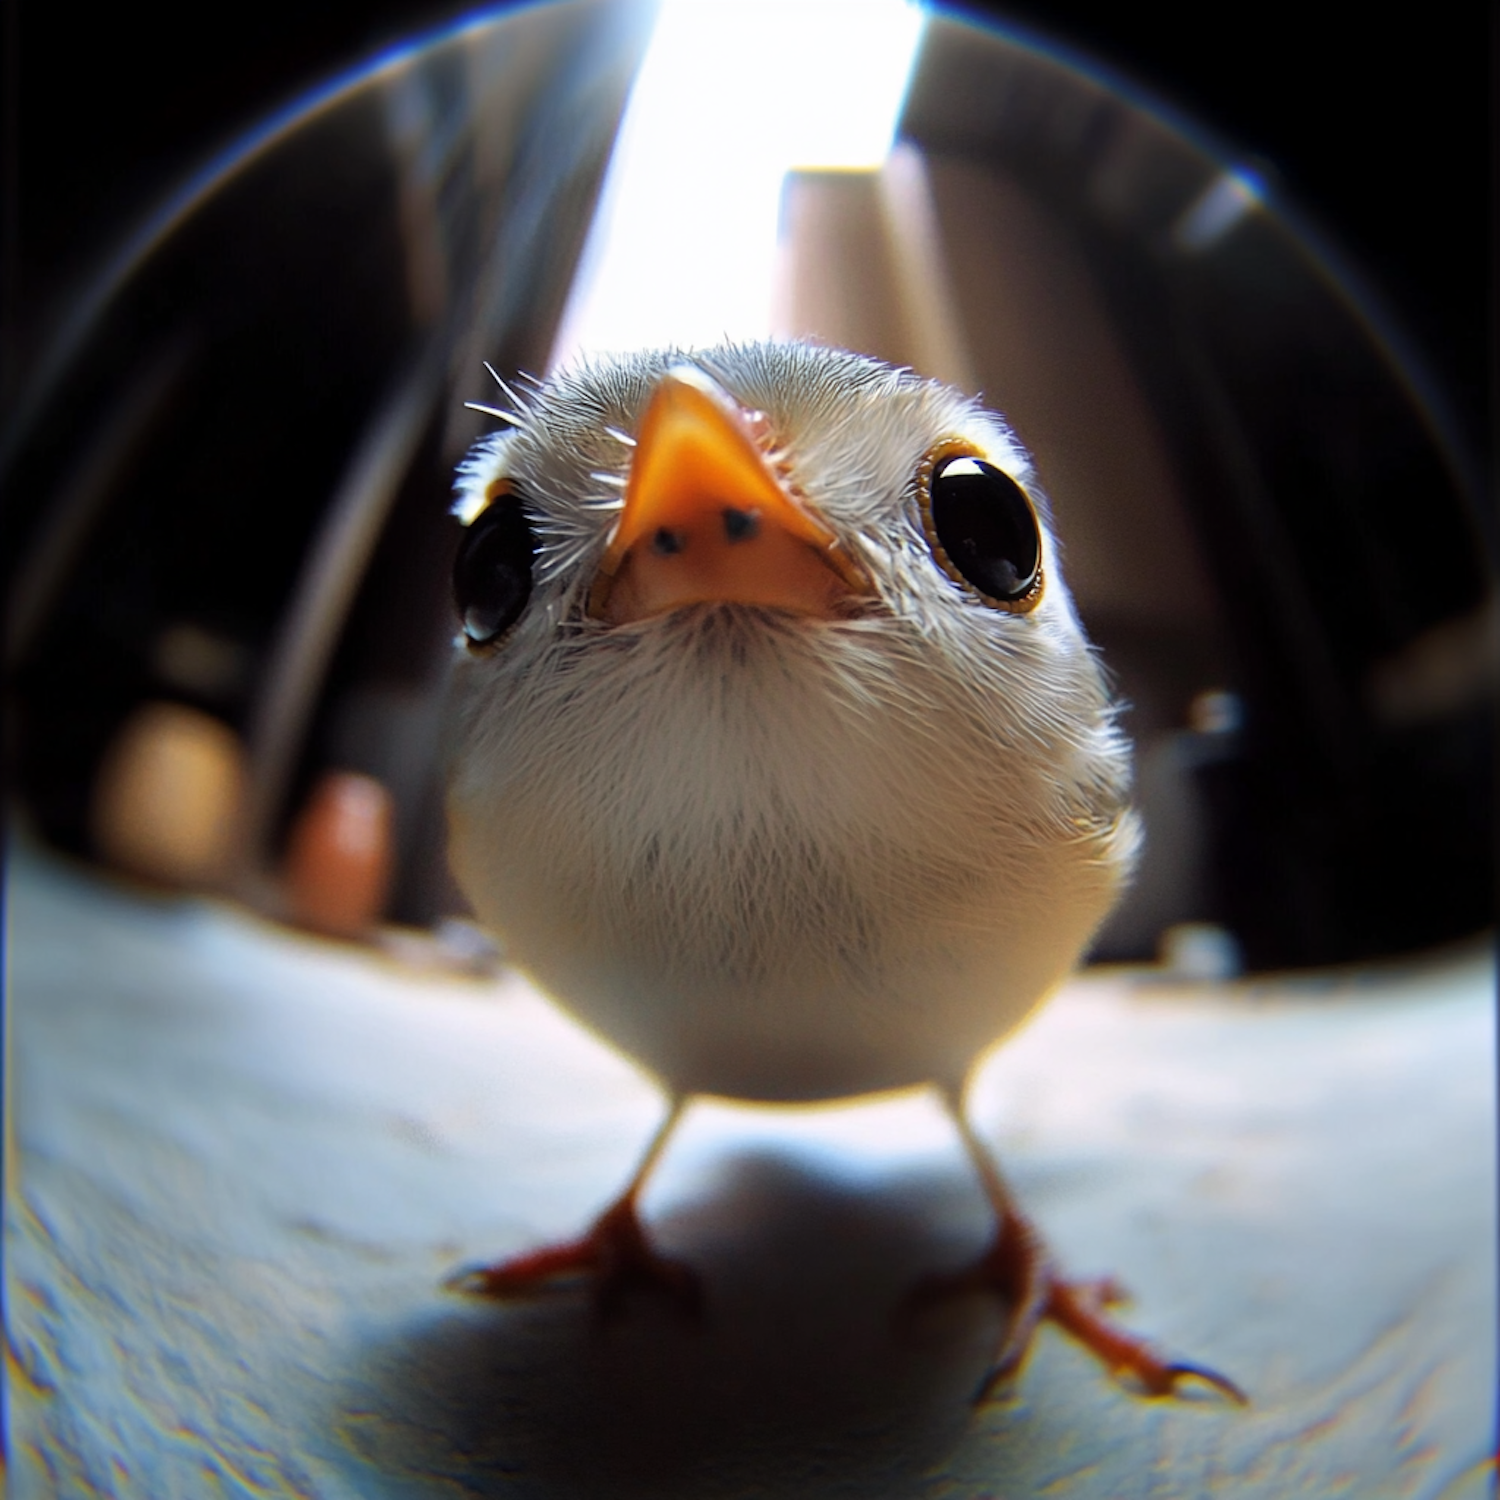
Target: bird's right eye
{"x":492,"y":572}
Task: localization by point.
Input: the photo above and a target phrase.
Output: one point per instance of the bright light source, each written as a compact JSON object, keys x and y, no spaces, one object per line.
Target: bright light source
{"x":732,"y":95}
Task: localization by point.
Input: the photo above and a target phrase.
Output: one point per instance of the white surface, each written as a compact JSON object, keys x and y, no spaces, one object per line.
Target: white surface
{"x":243,"y":1161}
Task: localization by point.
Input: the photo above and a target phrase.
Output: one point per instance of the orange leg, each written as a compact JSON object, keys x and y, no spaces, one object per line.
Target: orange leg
{"x":1017,"y":1266}
{"x":615,"y":1251}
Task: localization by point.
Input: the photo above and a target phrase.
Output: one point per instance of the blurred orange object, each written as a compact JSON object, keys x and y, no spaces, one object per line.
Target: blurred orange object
{"x":339,"y":856}
{"x":168,"y":795}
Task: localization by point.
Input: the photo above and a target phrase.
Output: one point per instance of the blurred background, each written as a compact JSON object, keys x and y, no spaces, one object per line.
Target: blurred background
{"x":1227,"y":274}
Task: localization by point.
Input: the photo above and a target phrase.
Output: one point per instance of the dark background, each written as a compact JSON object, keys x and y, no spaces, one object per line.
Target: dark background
{"x":1379,"y":130}
{"x":1336,"y":534}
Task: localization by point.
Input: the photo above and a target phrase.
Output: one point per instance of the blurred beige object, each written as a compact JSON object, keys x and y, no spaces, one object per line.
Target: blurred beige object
{"x":168,"y":796}
{"x":957,"y":271}
{"x":862,"y":266}
{"x":340,"y":855}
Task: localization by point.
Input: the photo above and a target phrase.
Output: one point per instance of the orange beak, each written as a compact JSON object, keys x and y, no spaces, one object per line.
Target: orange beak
{"x":707,"y":520}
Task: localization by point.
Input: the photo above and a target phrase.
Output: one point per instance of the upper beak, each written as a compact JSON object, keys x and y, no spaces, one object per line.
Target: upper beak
{"x":707,"y":520}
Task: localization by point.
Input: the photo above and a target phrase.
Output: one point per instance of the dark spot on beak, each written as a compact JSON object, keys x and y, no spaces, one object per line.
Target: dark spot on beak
{"x":667,"y":543}
{"x":740,"y":525}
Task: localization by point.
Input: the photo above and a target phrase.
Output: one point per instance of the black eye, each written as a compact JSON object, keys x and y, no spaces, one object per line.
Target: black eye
{"x":985,"y":531}
{"x":492,"y":572}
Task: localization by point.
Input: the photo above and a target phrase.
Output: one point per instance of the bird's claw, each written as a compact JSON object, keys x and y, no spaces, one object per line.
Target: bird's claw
{"x":615,"y":1252}
{"x":1221,"y":1383}
{"x":1080,"y":1311}
{"x":1017,"y":1267}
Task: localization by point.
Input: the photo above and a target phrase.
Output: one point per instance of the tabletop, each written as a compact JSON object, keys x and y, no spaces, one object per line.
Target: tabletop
{"x":241,"y":1162}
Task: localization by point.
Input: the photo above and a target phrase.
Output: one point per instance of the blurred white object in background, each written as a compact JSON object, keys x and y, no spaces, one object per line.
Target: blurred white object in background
{"x":1200,"y":951}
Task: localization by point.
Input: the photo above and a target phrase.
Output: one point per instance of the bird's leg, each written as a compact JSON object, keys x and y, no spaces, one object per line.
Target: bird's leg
{"x":1019,"y":1267}
{"x":614,"y":1251}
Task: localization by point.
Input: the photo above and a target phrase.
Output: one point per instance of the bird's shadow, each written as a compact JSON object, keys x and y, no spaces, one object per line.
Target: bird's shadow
{"x":809,"y":1371}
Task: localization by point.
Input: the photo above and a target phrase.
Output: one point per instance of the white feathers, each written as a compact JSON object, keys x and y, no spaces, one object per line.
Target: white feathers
{"x":510,"y":395}
{"x":514,"y":418}
{"x":766,"y":855}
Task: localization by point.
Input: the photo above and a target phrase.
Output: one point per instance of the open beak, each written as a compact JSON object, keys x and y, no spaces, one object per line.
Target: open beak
{"x":708,"y":521}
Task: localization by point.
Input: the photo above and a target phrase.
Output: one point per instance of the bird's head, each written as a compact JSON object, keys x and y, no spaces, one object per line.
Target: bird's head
{"x":787,"y":477}
{"x":805,"y":491}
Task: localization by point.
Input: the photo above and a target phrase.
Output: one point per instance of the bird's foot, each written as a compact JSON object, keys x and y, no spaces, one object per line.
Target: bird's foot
{"x":1018,"y":1267}
{"x":1076,"y":1310}
{"x":615,"y":1252}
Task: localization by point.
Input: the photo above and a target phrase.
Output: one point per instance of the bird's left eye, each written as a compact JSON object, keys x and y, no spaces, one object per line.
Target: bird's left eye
{"x":492,"y":572}
{"x":982,"y":528}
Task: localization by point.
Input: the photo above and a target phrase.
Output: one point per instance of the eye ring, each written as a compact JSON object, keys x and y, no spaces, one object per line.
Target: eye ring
{"x":492,"y":570}
{"x":1006,"y":515}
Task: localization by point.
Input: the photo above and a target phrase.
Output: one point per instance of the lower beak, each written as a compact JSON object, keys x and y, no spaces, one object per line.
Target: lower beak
{"x":707,"y":520}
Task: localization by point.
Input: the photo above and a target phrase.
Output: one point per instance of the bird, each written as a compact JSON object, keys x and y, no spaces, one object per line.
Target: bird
{"x":780,"y":759}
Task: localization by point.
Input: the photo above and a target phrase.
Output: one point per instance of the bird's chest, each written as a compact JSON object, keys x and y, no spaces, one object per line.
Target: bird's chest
{"x":740,"y":803}
{"x":736,"y":859}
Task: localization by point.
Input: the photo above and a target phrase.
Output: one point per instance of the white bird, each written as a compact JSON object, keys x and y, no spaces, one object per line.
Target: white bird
{"x":781,"y":759}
